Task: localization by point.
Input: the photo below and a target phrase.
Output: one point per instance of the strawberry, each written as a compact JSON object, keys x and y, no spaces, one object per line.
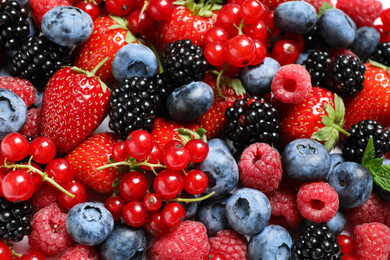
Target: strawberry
{"x":95,"y":152}
{"x":213,"y":121}
{"x":188,"y":21}
{"x":320,"y":116}
{"x":109,"y":35}
{"x":40,"y":7}
{"x":372,"y":102}
{"x":73,"y":105}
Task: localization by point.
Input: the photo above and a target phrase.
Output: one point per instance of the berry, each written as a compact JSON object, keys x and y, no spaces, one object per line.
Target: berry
{"x":285,"y":52}
{"x":195,"y":182}
{"x":138,"y":144}
{"x":133,"y":186}
{"x":115,"y":205}
{"x":366,"y":40}
{"x":240,"y":50}
{"x":22,"y":87}
{"x":60,"y":170}
{"x":155,"y":226}
{"x":381,"y":53}
{"x":173,"y":214}
{"x":316,"y":64}
{"x":230,"y":244}
{"x":80,"y":252}
{"x":90,"y":8}
{"x":17,"y":185}
{"x":118,"y":7}
{"x":160,"y":10}
{"x":15,"y":146}
{"x":42,"y":149}
{"x":176,"y":157}
{"x":32,"y":127}
{"x":372,"y":241}
{"x":346,"y":243}
{"x":198,"y":150}
{"x":318,"y":3}
{"x":362,"y":12}
{"x":152,"y":201}
{"x":168,"y":183}
{"x":5,"y":251}
{"x":135,"y":214}
{"x":78,"y":190}
{"x":45,"y":196}
{"x":40,"y":7}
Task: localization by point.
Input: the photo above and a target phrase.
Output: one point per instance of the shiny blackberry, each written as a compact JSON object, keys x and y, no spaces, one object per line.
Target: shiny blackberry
{"x":355,"y":144}
{"x":317,"y":64}
{"x":183,"y":62}
{"x":382,"y":53}
{"x":38,"y":59}
{"x":133,"y":104}
{"x":15,"y":219}
{"x":250,"y":121}
{"x":345,"y":75}
{"x":316,"y":242}
{"x":164,"y":89}
{"x":14,"y":26}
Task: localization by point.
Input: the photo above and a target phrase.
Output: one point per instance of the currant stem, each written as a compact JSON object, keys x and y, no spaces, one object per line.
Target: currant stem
{"x":126,"y":163}
{"x":188,"y":200}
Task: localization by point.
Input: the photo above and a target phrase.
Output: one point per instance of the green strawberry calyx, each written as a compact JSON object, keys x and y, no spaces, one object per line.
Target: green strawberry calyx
{"x":325,"y":6}
{"x":225,"y":81}
{"x":379,"y":65}
{"x":203,"y":8}
{"x":122,"y":23}
{"x":333,"y":124}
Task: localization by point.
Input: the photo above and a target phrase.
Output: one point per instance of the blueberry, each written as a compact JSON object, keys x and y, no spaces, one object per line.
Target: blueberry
{"x":134,"y":60}
{"x":190,"y":101}
{"x":212,"y":214}
{"x":352,"y":182}
{"x":89,"y":223}
{"x":257,"y":79}
{"x":13,"y":112}
{"x":366,"y":40}
{"x":218,"y":142}
{"x":190,"y":207}
{"x":274,"y":242}
{"x":295,"y":17}
{"x":302,"y":57}
{"x":125,"y":243}
{"x":305,"y":160}
{"x":336,"y":224}
{"x":335,"y":159}
{"x":337,"y":28}
{"x":248,"y":211}
{"x":222,"y":171}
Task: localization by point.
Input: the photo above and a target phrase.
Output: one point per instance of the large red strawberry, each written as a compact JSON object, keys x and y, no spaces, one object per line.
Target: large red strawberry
{"x":320,"y":116}
{"x":373,"y":101}
{"x":73,"y":105}
{"x":93,"y":153}
{"x":109,"y":35}
{"x":214,"y":121}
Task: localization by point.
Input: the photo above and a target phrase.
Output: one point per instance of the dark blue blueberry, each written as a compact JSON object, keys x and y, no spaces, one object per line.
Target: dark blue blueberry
{"x":302,"y":57}
{"x":337,"y":28}
{"x":218,"y":142}
{"x":352,"y":182}
{"x":248,"y":211}
{"x":89,"y":223}
{"x":222,"y":171}
{"x":67,"y":25}
{"x":134,"y":60}
{"x":190,"y":207}
{"x":335,"y":159}
{"x":212,"y":214}
{"x":305,"y":160}
{"x":190,"y":101}
{"x":274,"y":242}
{"x":295,"y":17}
{"x":125,"y":243}
{"x":13,"y":112}
{"x":366,"y":40}
{"x":336,"y":225}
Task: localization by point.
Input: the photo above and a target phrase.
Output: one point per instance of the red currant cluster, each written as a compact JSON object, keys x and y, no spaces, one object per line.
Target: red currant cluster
{"x":159,"y":210}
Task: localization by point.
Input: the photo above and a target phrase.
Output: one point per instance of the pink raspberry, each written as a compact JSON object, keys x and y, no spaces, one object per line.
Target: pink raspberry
{"x":260,"y":167}
{"x":372,"y":241}
{"x":45,"y":196}
{"x":284,"y":209}
{"x":318,"y":3}
{"x":80,"y":252}
{"x":187,"y":241}
{"x":317,"y":201}
{"x":362,"y":12}
{"x":32,"y":127}
{"x":21,"y":87}
{"x":374,"y":210}
{"x":230,"y":244}
{"x":291,"y":84}
{"x":49,"y":235}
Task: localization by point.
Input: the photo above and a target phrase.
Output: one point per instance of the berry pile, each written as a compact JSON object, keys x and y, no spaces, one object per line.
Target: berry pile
{"x":235,"y":129}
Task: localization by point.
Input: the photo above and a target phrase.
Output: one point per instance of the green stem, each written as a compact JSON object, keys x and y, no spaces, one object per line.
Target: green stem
{"x":126,"y":163}
{"x":160,"y":67}
{"x":218,"y":81}
{"x":340,"y":129}
{"x":188,"y":200}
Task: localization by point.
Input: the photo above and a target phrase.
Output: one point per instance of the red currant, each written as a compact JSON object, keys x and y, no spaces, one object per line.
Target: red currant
{"x":155,"y":226}
{"x":133,"y":186}
{"x":76,"y":188}
{"x":172,"y":143}
{"x":285,"y":52}
{"x":115,"y":205}
{"x":240,"y":51}
{"x":215,"y":53}
{"x":385,"y":16}
{"x":139,"y":144}
{"x":60,"y":170}
{"x":135,"y":214}
{"x":196,"y":182}
{"x":15,"y":147}
{"x":160,"y":10}
{"x":37,"y":178}
{"x":261,"y":53}
{"x":347,"y":246}
{"x":118,"y":7}
{"x":297,"y":39}
{"x":173,"y":214}
{"x":168,"y":183}
{"x":17,"y":185}
{"x":216,"y":34}
{"x":42,"y":149}
{"x":139,"y":23}
{"x":90,"y":8}
{"x":32,"y":255}
{"x":229,"y":16}
{"x":176,"y":157}
{"x":152,"y":201}
{"x":348,"y":257}
{"x":198,"y":150}
{"x":257,"y":31}
{"x":5,"y":251}
{"x":155,"y":157}
{"x":253,"y":11}
{"x":119,"y":153}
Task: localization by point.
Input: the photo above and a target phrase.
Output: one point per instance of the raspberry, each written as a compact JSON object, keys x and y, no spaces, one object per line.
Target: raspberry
{"x":372,"y":241}
{"x":260,"y":167}
{"x":49,"y":235}
{"x":318,"y":3}
{"x":80,"y":252}
{"x":374,"y":210}
{"x":291,"y":84}
{"x":230,"y":244}
{"x":284,"y":209}
{"x":362,"y":12}
{"x":32,"y":127}
{"x":21,"y":87}
{"x":45,"y":196}
{"x":40,"y":7}
{"x":317,"y":201}
{"x":187,"y":241}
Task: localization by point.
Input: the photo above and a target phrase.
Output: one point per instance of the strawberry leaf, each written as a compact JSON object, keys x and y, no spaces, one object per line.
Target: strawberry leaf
{"x":325,"y":6}
{"x":323,"y":134}
{"x":234,"y":83}
{"x":379,"y":65}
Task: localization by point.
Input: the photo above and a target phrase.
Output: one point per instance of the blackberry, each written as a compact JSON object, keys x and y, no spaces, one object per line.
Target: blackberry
{"x":355,"y":144}
{"x":317,"y":64}
{"x":250,"y":121}
{"x":381,"y":53}
{"x":316,"y":242}
{"x":38,"y":59}
{"x":15,"y":219}
{"x":345,"y":75}
{"x":164,"y":88}
{"x":14,"y":26}
{"x":184,"y":62}
{"x":133,"y":105}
